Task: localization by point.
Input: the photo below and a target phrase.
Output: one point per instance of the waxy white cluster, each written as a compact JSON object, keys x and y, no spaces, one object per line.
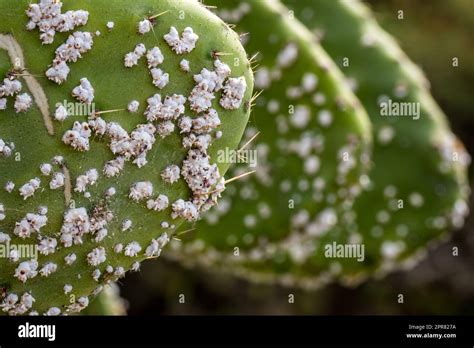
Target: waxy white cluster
{"x":132,"y":58}
{"x":234,"y":90}
{"x":157,"y":245}
{"x":141,"y":190}
{"x":203,"y":179}
{"x":75,"y":225}
{"x":48,"y":18}
{"x":12,"y":87}
{"x":29,"y":189}
{"x":11,"y":305}
{"x":31,"y":223}
{"x":78,"y":136}
{"x":89,"y":178}
{"x":6,"y":149}
{"x":182,"y":45}
{"x":84,"y":92}
{"x":170,"y":174}
{"x":158,"y":204}
{"x":96,"y":256}
{"x":77,"y":44}
{"x":47,"y":245}
{"x":26,"y":270}
{"x":208,"y":82}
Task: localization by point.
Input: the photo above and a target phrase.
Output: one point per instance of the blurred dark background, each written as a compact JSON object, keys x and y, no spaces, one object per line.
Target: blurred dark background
{"x":432,"y":33}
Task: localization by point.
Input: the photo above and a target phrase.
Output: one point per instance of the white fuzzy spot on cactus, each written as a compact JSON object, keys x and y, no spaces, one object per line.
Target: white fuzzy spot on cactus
{"x":53,"y":312}
{"x":78,"y":136}
{"x":57,"y":181}
{"x":10,"y":87}
{"x":132,"y":249}
{"x":325,"y":118}
{"x":158,"y":204}
{"x":89,"y":178}
{"x":385,"y":134}
{"x":301,"y":116}
{"x":156,"y":245}
{"x":170,"y":109}
{"x":26,"y":270}
{"x":96,"y":256}
{"x":47,"y":245}
{"x":135,"y":266}
{"x":416,"y":199}
{"x":234,"y":90}
{"x":61,"y":113}
{"x":48,"y":18}
{"x":76,"y":45}
{"x":58,"y":73}
{"x":110,"y":25}
{"x":234,"y":15}
{"x":185,"y":209}
{"x":160,"y":78}
{"x":23,"y":103}
{"x":46,"y":169}
{"x":141,"y":190}
{"x":4,"y":237}
{"x":182,"y":45}
{"x":9,"y":187}
{"x":84,"y":92}
{"x":2,"y":212}
{"x":154,"y":57}
{"x":76,"y":223}
{"x":96,"y":274}
{"x":119,"y":271}
{"x":131,"y":59}
{"x":133,"y":106}
{"x":309,"y":82}
{"x":184,"y":65}
{"x":118,"y":248}
{"x":126,"y":225}
{"x":114,"y":167}
{"x":287,"y":56}
{"x":100,"y":235}
{"x":70,"y":259}
{"x":48,"y":269}
{"x":144,"y":26}
{"x":67,"y":288}
{"x":6,"y":149}
{"x":170,"y":174}
{"x":29,"y":189}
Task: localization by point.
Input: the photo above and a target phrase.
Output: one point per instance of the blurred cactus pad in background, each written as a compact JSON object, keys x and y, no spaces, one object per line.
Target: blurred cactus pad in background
{"x":119,"y":120}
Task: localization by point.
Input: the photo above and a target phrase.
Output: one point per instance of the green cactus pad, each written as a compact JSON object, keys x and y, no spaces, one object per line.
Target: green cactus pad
{"x":313,"y":153}
{"x":418,"y":164}
{"x":99,"y":222}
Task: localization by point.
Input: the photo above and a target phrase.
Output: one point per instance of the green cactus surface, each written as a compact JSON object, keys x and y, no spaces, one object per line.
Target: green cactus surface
{"x":417,"y":189}
{"x":107,"y":149}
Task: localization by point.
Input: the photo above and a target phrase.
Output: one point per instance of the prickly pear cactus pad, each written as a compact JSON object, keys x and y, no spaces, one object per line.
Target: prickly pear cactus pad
{"x":419,"y":186}
{"x":111,"y":117}
{"x":313,"y":149}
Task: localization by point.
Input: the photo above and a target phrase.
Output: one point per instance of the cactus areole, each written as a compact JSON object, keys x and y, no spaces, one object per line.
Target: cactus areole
{"x":111,"y":116}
